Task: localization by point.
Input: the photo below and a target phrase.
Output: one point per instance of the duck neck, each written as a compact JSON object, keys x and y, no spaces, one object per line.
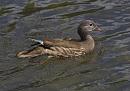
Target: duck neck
{"x":84,"y":37}
{"x":83,"y":34}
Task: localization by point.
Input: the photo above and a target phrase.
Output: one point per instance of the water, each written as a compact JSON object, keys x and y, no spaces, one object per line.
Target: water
{"x":106,"y":69}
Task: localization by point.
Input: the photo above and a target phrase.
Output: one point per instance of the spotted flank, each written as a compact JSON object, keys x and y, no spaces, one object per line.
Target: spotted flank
{"x":68,"y":52}
{"x":53,"y":52}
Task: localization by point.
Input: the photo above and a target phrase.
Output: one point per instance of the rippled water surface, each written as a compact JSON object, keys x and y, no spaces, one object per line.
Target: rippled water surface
{"x":106,"y":69}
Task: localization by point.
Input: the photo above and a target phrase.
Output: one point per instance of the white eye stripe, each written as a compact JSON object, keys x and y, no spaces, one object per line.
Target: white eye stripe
{"x":89,"y":28}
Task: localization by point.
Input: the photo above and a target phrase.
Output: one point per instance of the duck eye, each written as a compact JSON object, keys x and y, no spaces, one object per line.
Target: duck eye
{"x":91,"y":24}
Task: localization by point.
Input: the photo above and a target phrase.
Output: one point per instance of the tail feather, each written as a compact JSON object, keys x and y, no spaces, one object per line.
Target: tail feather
{"x":37,"y":51}
{"x":31,"y":53}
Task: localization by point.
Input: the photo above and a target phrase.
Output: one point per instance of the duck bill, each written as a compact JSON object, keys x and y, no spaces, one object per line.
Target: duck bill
{"x":97,"y":29}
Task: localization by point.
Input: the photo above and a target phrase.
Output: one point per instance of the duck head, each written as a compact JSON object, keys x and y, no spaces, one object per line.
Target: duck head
{"x":85,"y":27}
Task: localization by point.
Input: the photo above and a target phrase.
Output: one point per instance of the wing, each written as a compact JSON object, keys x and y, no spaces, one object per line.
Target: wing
{"x":62,"y":43}
{"x":68,"y":43}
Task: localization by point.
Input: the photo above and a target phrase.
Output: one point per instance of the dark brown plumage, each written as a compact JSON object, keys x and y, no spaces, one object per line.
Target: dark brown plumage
{"x":65,"y":47}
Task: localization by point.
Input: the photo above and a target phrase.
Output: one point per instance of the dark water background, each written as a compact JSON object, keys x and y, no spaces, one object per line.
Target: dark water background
{"x":106,"y":69}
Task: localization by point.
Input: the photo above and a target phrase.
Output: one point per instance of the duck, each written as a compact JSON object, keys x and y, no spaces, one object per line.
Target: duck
{"x":66,"y":47}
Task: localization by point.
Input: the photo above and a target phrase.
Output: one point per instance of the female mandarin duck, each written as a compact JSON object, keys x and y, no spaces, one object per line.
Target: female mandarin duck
{"x":65,"y":47}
